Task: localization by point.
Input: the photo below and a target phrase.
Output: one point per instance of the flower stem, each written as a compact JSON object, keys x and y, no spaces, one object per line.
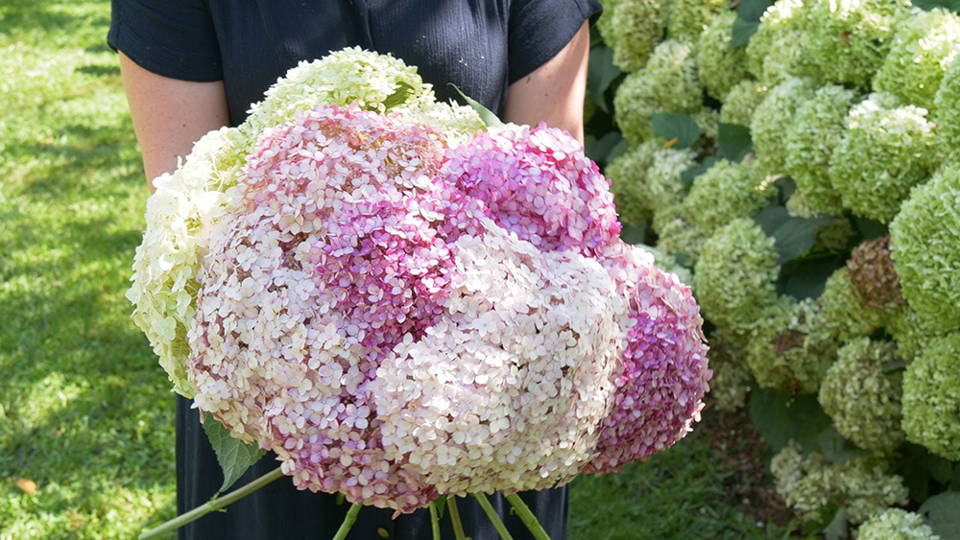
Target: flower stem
{"x":348,"y":522}
{"x":434,"y":521}
{"x":494,"y":517}
{"x":527,"y":517}
{"x":455,"y":518}
{"x":212,"y":505}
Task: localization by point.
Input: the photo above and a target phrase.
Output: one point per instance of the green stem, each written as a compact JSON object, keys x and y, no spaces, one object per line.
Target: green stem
{"x":434,"y":521}
{"x":493,"y":515}
{"x":212,"y":505}
{"x":348,"y":522}
{"x":527,"y":517}
{"x":455,"y":518}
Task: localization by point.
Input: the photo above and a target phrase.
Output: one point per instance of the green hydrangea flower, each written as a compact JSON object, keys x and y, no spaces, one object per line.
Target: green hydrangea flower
{"x":720,"y":65}
{"x":778,"y":352}
{"x":911,"y":332}
{"x":931,"y":397}
{"x":925,"y":245}
{"x":923,"y":47}
{"x":627,"y":174}
{"x":687,"y":19}
{"x":740,"y":102}
{"x":809,"y":142}
{"x":731,"y":380}
{"x":814,"y":488}
{"x":735,"y":275}
{"x":771,"y":118}
{"x":846,"y":41}
{"x":862,"y":395}
{"x":634,"y":104}
{"x":840,"y":316}
{"x":727,"y":191}
{"x":886,"y":151}
{"x":896,"y":524}
{"x":668,"y":83}
{"x":677,"y":237}
{"x":663,"y":188}
{"x":947,"y":109}
{"x":633,"y":28}
{"x":773,"y":52}
{"x":708,"y":120}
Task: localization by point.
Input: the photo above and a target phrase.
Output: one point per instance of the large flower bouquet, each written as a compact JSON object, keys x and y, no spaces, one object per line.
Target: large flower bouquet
{"x":404,"y":303}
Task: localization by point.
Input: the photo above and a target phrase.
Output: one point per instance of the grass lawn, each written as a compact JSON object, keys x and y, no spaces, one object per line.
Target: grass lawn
{"x":85,"y":412}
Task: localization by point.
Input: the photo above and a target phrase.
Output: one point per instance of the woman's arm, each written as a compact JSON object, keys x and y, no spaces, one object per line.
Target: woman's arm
{"x":554,"y":92}
{"x":169,"y":115}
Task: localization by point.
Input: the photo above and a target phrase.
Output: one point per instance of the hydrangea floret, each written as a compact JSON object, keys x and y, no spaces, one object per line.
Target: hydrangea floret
{"x":896,"y":524}
{"x":687,"y":19}
{"x":947,"y":110}
{"x":774,"y":50}
{"x":923,"y":240}
{"x":771,"y":117}
{"x":741,"y":101}
{"x":886,"y":150}
{"x":735,"y":275}
{"x":628,"y":182}
{"x":931,"y":397}
{"x":778,"y":353}
{"x":809,"y":143}
{"x":861,"y":392}
{"x":720,"y":66}
{"x":923,"y":47}
{"x":633,"y":28}
{"x":727,"y":191}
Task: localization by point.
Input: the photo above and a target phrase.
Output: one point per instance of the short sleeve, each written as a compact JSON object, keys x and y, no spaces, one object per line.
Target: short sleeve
{"x":539,"y":29}
{"x":172,"y":38}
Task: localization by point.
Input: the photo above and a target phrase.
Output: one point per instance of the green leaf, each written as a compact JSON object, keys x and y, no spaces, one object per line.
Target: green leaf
{"x":682,"y":259}
{"x":869,"y":228}
{"x":805,"y":278}
{"x":734,"y":141}
{"x":399,"y":95}
{"x":797,"y":235}
{"x":633,"y":234}
{"x":839,"y":528}
{"x":691,"y":174}
{"x":441,"y":505}
{"x":600,"y":75}
{"x":486,"y":115}
{"x":771,"y":218}
{"x":786,"y":187}
{"x":752,"y":10}
{"x":836,"y":449}
{"x":951,"y":5}
{"x":943,"y":514}
{"x":681,"y":127}
{"x":780,"y":417}
{"x":621,"y":148}
{"x":599,"y":149}
{"x":233,"y":455}
{"x":742,"y":32}
{"x":955,"y":482}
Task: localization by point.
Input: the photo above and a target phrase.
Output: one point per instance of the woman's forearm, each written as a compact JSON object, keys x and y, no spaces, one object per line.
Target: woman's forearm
{"x":169,"y":115}
{"x":554,"y":92}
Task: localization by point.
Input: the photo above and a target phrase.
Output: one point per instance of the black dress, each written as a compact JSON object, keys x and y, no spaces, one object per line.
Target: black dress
{"x":480,"y":45}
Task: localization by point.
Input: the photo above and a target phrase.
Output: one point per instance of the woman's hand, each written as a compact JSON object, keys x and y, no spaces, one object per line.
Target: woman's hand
{"x":169,"y":115}
{"x":554,"y":93}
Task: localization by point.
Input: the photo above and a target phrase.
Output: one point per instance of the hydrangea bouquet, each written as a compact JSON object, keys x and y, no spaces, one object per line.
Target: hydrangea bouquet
{"x":405,"y":302}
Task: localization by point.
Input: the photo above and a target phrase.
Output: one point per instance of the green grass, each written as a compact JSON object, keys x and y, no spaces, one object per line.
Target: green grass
{"x":85,"y":412}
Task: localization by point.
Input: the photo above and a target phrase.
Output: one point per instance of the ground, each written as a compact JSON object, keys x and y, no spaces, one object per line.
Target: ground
{"x":86,"y":415}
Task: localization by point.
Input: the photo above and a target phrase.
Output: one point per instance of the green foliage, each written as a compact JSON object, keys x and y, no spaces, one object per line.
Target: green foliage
{"x":233,"y":455}
{"x":941,"y":513}
{"x":679,"y":128}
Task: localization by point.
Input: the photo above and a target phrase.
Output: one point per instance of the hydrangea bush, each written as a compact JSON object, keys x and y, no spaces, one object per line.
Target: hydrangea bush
{"x":820,"y":222}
